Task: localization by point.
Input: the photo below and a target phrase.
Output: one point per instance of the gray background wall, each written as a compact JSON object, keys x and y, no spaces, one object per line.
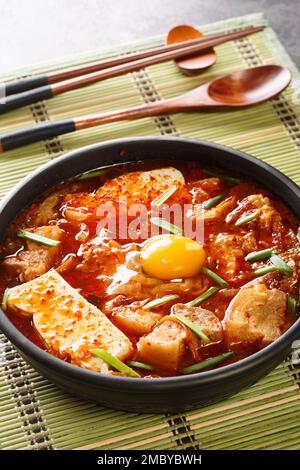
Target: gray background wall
{"x":33,"y":31}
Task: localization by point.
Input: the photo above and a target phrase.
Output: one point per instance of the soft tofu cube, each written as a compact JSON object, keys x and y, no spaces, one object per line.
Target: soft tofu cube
{"x":142,"y":185}
{"x":69,"y":325}
{"x":164,"y":346}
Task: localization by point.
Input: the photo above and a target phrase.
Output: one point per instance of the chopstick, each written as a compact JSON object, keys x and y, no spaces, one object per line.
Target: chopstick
{"x":132,"y":63}
{"x":18,"y":86}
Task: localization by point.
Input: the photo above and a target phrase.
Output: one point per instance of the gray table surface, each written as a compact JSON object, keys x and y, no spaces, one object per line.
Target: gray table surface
{"x":35,"y":31}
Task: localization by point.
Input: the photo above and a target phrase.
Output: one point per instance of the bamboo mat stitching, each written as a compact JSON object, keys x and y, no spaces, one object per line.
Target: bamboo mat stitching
{"x":184,"y":436}
{"x":30,"y":414}
{"x":40,"y":114}
{"x":294,"y":368}
{"x":149,"y":94}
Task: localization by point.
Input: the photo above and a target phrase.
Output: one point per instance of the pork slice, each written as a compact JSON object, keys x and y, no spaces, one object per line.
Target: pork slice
{"x":135,"y":319}
{"x":267,"y":218}
{"x":230,"y":249}
{"x":205,"y":320}
{"x":215,"y":213}
{"x":36,"y":259}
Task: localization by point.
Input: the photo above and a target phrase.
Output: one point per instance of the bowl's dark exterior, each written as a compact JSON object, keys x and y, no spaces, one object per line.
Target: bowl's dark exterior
{"x":155,"y":395}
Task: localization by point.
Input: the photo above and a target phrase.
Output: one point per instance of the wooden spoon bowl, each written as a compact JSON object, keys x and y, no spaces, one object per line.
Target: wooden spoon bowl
{"x":196,"y":63}
{"x":250,"y":86}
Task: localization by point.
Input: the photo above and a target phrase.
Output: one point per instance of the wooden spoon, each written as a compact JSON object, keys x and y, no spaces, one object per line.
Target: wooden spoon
{"x":238,"y":89}
{"x":197,"y":62}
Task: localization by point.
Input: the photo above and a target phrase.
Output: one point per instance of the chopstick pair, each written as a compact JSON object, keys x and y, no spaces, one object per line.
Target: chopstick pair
{"x":238,"y":89}
{"x":31,"y":90}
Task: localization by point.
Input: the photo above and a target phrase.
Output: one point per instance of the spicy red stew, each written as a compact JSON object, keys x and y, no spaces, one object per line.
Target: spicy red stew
{"x":151,"y":270}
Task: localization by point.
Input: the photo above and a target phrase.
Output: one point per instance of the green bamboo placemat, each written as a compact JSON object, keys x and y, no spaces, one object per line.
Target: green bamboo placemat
{"x":35,"y":414}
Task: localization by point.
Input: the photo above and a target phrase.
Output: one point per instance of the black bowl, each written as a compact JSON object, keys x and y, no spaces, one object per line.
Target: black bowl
{"x":165,"y":394}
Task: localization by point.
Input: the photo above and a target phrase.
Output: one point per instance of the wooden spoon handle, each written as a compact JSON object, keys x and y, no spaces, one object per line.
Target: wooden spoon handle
{"x":30,"y":135}
{"x":137,"y":112}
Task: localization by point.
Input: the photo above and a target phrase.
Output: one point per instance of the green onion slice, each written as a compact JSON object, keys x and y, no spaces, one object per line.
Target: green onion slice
{"x":230,"y":179}
{"x":281,"y":264}
{"x":213,"y":201}
{"x":140,"y":365}
{"x":157,"y":202}
{"x":164,"y":224}
{"x":92,"y":174}
{"x":291,"y":305}
{"x":265,"y":270}
{"x":262,"y":254}
{"x":5,"y":299}
{"x":207,"y":363}
{"x":298,"y":234}
{"x":215,"y":277}
{"x":194,"y":328}
{"x":34,"y":237}
{"x":161,"y":301}
{"x":202,"y":297}
{"x":244,"y":219}
{"x":114,"y":362}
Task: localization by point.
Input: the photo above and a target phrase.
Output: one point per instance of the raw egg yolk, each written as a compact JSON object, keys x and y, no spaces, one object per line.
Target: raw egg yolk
{"x":172,"y":257}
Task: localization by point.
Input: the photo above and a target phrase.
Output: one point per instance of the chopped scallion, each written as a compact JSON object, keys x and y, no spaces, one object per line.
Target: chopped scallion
{"x":298,"y":234}
{"x":34,"y":237}
{"x":5,"y":299}
{"x":194,"y":328}
{"x":92,"y":174}
{"x":213,"y":201}
{"x":165,"y":225}
{"x":140,"y":365}
{"x":114,"y":362}
{"x":161,"y":301}
{"x":244,"y":219}
{"x":164,"y":196}
{"x":215,"y":277}
{"x":291,"y":305}
{"x":281,"y":265}
{"x":202,"y":297}
{"x":265,"y":270}
{"x":258,"y":255}
{"x":212,"y":361}
{"x":230,"y":179}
